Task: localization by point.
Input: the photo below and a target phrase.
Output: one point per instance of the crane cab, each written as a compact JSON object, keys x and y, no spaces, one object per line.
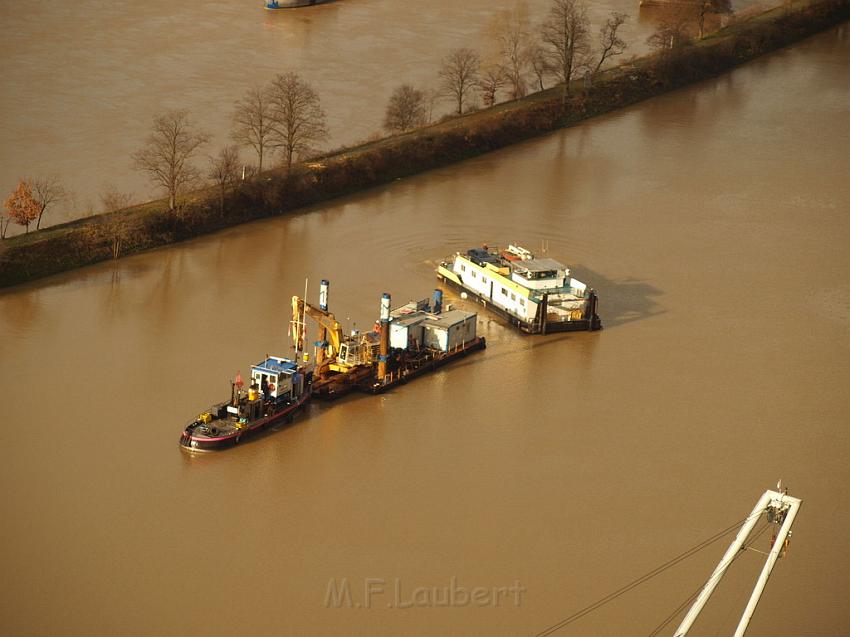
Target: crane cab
{"x":357,"y":350}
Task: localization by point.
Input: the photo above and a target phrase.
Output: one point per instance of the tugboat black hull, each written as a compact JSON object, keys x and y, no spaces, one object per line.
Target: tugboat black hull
{"x":193,"y":440}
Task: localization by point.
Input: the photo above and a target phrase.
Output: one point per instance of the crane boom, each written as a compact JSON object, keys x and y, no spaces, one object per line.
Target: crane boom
{"x":330,"y":328}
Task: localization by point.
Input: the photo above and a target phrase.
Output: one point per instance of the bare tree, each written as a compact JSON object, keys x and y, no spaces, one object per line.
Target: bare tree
{"x":252,"y":122}
{"x":459,"y":74}
{"x":405,"y":110}
{"x":671,"y":32}
{"x":224,"y":171}
{"x":47,"y":191}
{"x":115,"y":225}
{"x":539,"y":64}
{"x":610,"y":43}
{"x":168,"y":151}
{"x":701,"y":8}
{"x":297,"y":116}
{"x":511,"y":30}
{"x":5,"y":220}
{"x":491,"y":80}
{"x":431,"y":96}
{"x":112,"y":199}
{"x":566,"y":32}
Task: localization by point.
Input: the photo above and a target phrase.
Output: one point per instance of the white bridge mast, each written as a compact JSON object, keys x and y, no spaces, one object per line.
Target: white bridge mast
{"x":781,"y":509}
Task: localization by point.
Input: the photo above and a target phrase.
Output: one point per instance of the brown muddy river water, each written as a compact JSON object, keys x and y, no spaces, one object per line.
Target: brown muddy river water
{"x":713,"y":222}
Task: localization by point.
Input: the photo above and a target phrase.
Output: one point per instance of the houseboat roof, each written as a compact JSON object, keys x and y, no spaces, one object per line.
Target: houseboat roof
{"x":539,"y":265}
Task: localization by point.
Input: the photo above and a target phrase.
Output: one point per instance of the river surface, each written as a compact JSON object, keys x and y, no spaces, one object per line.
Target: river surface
{"x":83,"y":80}
{"x":714,"y":223}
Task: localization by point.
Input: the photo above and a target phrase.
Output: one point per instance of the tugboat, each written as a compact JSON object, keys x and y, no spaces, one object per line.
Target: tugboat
{"x":538,"y":295}
{"x":279,"y":389}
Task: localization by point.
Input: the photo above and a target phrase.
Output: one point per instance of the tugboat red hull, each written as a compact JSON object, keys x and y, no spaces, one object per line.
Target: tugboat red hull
{"x":193,"y":439}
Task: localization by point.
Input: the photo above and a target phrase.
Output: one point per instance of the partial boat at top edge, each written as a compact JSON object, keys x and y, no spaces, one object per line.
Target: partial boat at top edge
{"x":538,"y":295}
{"x":272,"y":5}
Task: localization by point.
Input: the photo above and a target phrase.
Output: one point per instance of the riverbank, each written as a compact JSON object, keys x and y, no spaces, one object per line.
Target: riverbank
{"x":151,"y":225}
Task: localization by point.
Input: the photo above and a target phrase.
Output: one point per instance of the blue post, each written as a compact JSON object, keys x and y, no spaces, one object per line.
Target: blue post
{"x":323,"y":295}
{"x":438,"y":301}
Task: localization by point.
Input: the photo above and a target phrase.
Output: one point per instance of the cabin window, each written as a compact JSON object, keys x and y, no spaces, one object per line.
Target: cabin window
{"x":463,"y":267}
{"x":474,"y":274}
{"x":513,"y":296}
{"x":522,"y":302}
{"x":504,"y":291}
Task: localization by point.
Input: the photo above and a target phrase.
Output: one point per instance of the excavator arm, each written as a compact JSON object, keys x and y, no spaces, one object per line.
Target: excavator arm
{"x":330,"y":329}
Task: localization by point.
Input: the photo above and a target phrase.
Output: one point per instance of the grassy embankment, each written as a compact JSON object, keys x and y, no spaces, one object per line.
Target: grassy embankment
{"x":101,"y":237}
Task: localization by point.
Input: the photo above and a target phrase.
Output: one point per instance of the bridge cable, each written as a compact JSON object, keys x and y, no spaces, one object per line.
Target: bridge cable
{"x":694,"y":595}
{"x":644,"y":578}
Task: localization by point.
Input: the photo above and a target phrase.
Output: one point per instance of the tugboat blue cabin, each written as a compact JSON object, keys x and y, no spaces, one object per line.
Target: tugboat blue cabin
{"x":276,"y":377}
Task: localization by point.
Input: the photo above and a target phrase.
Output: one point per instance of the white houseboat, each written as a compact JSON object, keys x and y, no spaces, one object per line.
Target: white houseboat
{"x":538,"y":295}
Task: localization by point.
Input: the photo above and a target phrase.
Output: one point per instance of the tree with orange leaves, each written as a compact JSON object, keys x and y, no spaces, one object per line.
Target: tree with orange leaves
{"x":21,"y":206}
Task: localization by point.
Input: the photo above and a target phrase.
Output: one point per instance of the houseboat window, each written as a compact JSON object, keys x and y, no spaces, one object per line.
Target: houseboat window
{"x":463,"y":267}
{"x":513,"y":296}
{"x":474,"y":274}
{"x":522,"y":302}
{"x":504,"y":291}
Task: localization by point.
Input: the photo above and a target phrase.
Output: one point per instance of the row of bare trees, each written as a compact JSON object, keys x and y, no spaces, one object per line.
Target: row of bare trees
{"x":680,"y":19}
{"x":520,"y":56}
{"x":285,"y":116}
{"x":515,"y":59}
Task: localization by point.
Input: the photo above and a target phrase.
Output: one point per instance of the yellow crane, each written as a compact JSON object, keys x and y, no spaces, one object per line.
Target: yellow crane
{"x":341,"y":361}
{"x":330,"y":332}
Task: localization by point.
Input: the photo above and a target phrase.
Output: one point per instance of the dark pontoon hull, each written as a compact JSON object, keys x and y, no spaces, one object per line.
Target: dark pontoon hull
{"x":378,"y":388}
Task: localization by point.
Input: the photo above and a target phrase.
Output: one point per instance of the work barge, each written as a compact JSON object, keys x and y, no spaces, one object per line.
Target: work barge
{"x":404,"y":343}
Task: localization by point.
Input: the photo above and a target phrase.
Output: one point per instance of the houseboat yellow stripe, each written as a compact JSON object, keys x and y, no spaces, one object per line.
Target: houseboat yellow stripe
{"x":500,"y":278}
